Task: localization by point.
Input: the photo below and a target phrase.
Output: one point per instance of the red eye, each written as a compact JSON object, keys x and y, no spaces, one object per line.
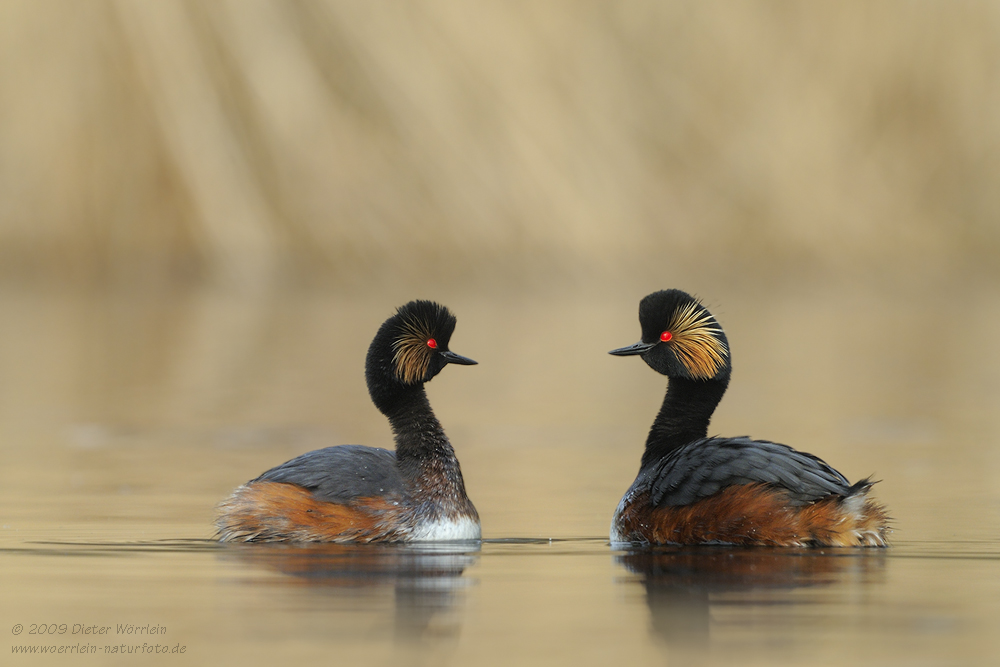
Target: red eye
{"x":431,"y":343}
{"x":666,"y":336}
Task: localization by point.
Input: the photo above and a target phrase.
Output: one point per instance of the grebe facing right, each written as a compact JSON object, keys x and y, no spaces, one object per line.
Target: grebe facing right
{"x":351,"y":493}
{"x":692,"y":489}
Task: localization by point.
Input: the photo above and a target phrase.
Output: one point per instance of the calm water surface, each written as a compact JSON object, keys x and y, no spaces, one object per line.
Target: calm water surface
{"x":125,"y":418}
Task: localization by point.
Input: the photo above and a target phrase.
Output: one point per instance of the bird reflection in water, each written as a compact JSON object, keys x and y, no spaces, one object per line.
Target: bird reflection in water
{"x":427,"y":578}
{"x":683,"y":584}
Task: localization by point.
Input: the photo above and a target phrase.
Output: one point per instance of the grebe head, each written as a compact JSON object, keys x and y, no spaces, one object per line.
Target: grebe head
{"x":680,"y":338}
{"x":411,"y":347}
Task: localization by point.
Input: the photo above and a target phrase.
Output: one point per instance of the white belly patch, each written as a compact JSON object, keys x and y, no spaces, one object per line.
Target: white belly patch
{"x":452,"y":528}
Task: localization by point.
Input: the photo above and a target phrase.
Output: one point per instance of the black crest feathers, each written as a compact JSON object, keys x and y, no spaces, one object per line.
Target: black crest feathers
{"x":695,"y":336}
{"x":420,"y":327}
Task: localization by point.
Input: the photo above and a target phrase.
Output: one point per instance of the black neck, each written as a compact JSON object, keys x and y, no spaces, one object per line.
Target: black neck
{"x":424,"y":457}
{"x":684,"y":415}
{"x":419,"y":435}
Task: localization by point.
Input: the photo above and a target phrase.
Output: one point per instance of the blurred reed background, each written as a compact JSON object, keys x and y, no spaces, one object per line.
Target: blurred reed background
{"x":208,"y":208}
{"x":255,"y":141}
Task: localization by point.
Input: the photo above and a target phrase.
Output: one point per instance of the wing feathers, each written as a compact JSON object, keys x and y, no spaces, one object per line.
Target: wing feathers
{"x":705,"y":466}
{"x":342,"y":473}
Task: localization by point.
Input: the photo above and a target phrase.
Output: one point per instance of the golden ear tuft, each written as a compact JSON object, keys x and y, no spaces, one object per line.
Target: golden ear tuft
{"x":696,"y":341}
{"x":411,"y":353}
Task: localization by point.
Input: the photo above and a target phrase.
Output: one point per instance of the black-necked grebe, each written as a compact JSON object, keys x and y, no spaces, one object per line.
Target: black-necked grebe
{"x":692,"y":489}
{"x":351,"y":493}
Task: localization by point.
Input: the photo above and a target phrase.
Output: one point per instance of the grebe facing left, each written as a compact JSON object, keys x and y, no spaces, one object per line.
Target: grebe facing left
{"x":351,"y":493}
{"x":692,"y":489}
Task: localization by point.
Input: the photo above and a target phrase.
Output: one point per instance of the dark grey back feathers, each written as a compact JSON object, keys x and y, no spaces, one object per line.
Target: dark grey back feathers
{"x":706,"y":466}
{"x":342,"y":473}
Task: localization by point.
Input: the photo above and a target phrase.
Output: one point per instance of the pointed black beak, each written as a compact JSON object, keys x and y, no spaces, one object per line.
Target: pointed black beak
{"x":452,"y":358}
{"x":638,"y":348}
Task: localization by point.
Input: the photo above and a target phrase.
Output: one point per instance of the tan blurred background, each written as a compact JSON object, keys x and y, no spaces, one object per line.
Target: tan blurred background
{"x":823,"y":174}
{"x":336,"y":142}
